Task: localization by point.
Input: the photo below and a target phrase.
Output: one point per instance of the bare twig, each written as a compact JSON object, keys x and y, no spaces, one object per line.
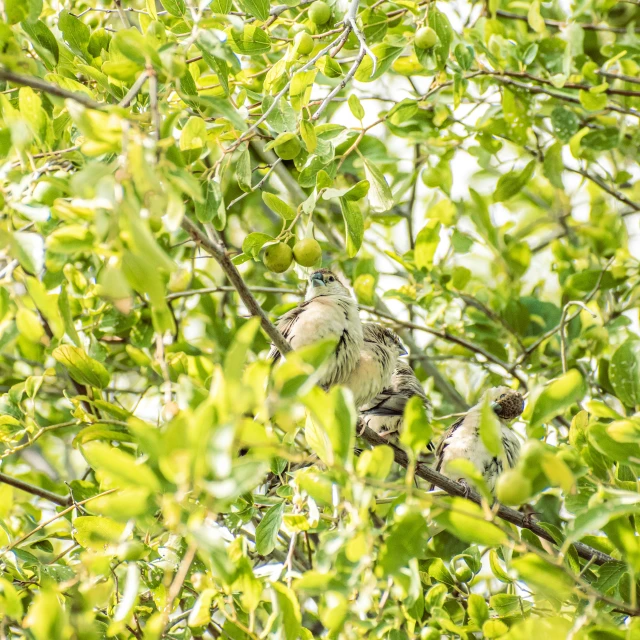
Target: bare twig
{"x":35,"y":491}
{"x":258,"y":186}
{"x":219,"y":252}
{"x":135,"y":89}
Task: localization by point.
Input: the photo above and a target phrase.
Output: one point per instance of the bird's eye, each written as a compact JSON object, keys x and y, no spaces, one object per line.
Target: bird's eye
{"x":331,"y":278}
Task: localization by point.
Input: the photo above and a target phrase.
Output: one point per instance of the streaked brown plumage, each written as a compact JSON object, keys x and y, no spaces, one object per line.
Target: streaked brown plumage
{"x":376,"y":363}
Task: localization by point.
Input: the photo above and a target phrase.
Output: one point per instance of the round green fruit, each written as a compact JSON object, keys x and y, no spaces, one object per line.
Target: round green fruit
{"x":298,"y":27}
{"x":320,"y":12}
{"x":287,"y":146}
{"x":426,"y":38}
{"x":513,"y":488}
{"x":463,"y":573}
{"x":278,"y":257}
{"x":303,"y":43}
{"x":307,"y":252}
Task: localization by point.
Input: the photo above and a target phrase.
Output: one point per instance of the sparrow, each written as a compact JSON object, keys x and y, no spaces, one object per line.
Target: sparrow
{"x":385,"y":412}
{"x":328,"y":311}
{"x":375,"y":366}
{"x":462,"y":439}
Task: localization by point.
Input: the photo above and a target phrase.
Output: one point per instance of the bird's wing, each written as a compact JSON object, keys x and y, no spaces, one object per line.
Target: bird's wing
{"x":443,"y":442}
{"x":286,"y":324}
{"x":511,"y":446}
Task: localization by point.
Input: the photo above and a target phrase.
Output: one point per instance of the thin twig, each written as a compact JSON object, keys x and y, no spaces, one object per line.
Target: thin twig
{"x":559,"y":24}
{"x":198,"y":292}
{"x":258,"y":186}
{"x":135,"y":89}
{"x":34,"y":491}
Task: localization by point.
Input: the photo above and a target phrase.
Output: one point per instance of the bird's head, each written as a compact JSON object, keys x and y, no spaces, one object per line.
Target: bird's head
{"x":507,"y":403}
{"x":383,"y":335}
{"x":324,"y":282}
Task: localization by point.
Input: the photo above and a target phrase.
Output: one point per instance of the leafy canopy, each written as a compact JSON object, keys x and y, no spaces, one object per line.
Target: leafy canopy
{"x":473,"y":184}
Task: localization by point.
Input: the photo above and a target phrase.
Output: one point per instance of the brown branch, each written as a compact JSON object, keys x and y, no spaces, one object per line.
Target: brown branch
{"x":605,"y":187}
{"x":219,"y":252}
{"x":558,"y":24}
{"x":618,"y":76}
{"x":35,"y":491}
{"x":456,"y":489}
{"x":47,"y":87}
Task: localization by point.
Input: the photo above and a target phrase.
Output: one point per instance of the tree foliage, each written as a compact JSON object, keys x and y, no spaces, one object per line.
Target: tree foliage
{"x":159,"y":480}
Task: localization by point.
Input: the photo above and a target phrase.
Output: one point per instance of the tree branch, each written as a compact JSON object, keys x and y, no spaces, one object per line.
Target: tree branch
{"x":198,"y":292}
{"x":456,"y":489}
{"x":35,"y":491}
{"x":51,"y":89}
{"x":219,"y":252}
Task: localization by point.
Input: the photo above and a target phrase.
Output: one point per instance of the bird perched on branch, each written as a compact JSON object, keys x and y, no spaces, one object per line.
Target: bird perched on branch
{"x":328,"y":311}
{"x":377,"y":361}
{"x":462,"y":439}
{"x":384,"y":413}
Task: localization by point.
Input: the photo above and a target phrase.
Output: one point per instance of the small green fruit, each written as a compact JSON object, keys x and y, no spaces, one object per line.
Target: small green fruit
{"x":426,"y":38}
{"x":303,"y":43}
{"x":463,"y":573}
{"x":307,"y":252}
{"x":287,"y":146}
{"x":278,"y":257}
{"x":320,"y":12}
{"x":513,"y":488}
{"x":298,"y":27}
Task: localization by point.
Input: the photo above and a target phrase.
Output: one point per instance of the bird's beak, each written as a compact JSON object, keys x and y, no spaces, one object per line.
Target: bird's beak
{"x":495,"y":406}
{"x":403,"y":351}
{"x":317,"y":281}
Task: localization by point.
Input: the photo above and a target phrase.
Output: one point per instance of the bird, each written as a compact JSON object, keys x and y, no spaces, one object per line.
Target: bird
{"x":376,"y":364}
{"x":462,"y":439}
{"x":328,"y":311}
{"x":384,"y":414}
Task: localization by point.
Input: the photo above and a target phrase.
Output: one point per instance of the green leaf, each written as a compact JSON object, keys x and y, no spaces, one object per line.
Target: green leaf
{"x":512,"y":183}
{"x":477,"y":609}
{"x":257,"y":8}
{"x":251,"y":41}
{"x":355,"y":106}
{"x":354,"y":225}
{"x":416,"y":429}
{"x":592,"y":101}
{"x":243,"y":170}
{"x":375,"y":463}
{"x":212,"y":209}
{"x":119,"y":467}
{"x":427,"y":242}
{"x":75,"y":32}
{"x":624,"y":372}
{"x":96,"y":532}
{"x":81,"y":367}
{"x":287,"y":608}
{"x":254,"y":242}
{"x":286,"y":211}
{"x":548,"y":579}
{"x":267,"y":530}
{"x":176,"y":8}
{"x":43,"y":41}
{"x":380,"y":196}
{"x":490,"y":429}
{"x":505,"y":604}
{"x":565,"y":123}
{"x":407,"y":539}
{"x":558,"y":396}
{"x":466,"y":520}
{"x":553,"y":165}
